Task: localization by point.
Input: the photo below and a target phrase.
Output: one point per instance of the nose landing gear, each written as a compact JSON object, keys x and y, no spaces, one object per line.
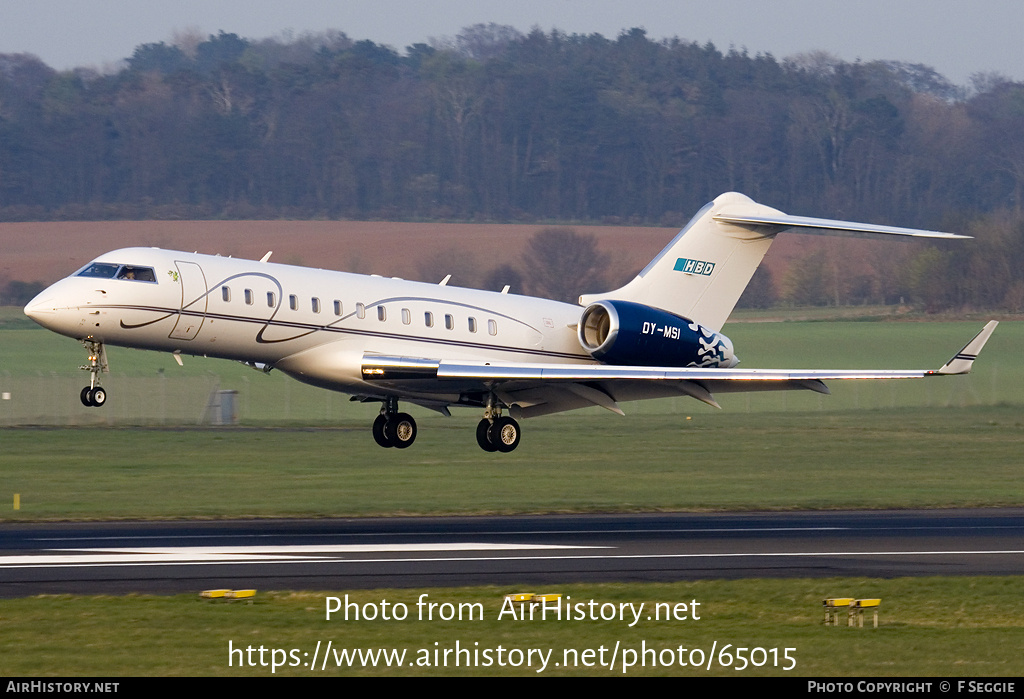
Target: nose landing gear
{"x":93,"y":395}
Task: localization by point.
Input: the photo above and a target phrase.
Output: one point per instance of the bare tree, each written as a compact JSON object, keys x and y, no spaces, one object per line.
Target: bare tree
{"x":562,"y":264}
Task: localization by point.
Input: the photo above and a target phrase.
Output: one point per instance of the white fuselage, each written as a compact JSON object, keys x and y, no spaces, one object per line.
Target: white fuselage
{"x":313,"y":324}
{"x":438,"y":346}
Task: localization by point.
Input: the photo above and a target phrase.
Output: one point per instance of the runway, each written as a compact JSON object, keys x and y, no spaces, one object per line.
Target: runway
{"x":335,"y":554}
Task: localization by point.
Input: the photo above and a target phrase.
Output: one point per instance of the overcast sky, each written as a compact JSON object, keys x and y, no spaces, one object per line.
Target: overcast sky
{"x":956,"y":37}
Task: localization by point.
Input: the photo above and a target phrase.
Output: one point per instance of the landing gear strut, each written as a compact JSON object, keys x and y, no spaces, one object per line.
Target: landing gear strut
{"x":392,"y":428}
{"x":497,"y":433}
{"x":93,"y":395}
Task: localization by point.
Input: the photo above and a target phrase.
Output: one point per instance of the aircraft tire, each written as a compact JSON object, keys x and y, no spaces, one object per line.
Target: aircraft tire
{"x":401,"y":430}
{"x":86,"y":400}
{"x":504,"y":434}
{"x":379,"y":432}
{"x":98,"y":396}
{"x":482,"y":429}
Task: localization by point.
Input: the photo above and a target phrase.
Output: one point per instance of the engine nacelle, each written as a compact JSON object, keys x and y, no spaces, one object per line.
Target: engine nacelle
{"x":623,"y":332}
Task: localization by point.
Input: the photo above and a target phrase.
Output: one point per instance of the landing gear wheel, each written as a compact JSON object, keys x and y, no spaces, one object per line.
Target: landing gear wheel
{"x":98,"y":396}
{"x":401,"y":430}
{"x":379,"y":435}
{"x":481,"y":435}
{"x":504,"y":434}
{"x":93,"y":397}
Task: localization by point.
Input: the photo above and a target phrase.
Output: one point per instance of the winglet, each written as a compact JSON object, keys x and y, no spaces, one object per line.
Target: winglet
{"x":962,"y":361}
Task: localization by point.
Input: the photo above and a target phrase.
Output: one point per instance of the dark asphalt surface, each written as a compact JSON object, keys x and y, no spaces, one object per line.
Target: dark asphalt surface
{"x":336,"y":554}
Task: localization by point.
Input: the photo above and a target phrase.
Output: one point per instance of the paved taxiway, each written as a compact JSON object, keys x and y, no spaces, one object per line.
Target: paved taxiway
{"x":332,"y":554}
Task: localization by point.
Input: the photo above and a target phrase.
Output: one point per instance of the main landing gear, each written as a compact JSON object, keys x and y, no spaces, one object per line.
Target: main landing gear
{"x":500,"y":434}
{"x":497,"y":433}
{"x":392,"y":428}
{"x":494,"y":433}
{"x":94,"y":395}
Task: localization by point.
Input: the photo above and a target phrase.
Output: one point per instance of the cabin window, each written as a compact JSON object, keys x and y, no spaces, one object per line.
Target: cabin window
{"x":449,"y":321}
{"x":492,"y":327}
{"x":337,"y":307}
{"x":316,"y":304}
{"x":248,"y":297}
{"x":271,"y":299}
{"x":225,"y":293}
{"x":428,"y":319}
{"x":360,"y":311}
{"x":293,"y":302}
{"x":472,"y":325}
{"x":406,"y":316}
{"x":381,"y":313}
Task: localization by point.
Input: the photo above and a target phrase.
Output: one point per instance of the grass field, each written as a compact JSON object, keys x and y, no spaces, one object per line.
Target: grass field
{"x":38,"y":372}
{"x":919,"y":457}
{"x":953,"y":442}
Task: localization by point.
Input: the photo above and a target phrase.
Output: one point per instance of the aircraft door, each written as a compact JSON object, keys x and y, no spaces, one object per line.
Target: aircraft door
{"x":194,"y":301}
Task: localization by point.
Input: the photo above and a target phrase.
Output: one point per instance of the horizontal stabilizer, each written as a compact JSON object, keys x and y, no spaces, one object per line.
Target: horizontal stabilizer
{"x":824,"y":226}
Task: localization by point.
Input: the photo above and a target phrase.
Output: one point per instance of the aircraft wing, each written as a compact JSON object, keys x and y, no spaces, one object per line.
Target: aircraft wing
{"x":545,"y":388}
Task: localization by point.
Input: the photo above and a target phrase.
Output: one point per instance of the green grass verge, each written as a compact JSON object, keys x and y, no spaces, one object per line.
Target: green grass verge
{"x":711,"y":460}
{"x":930,"y":627}
{"x":39,"y":371}
{"x":39,"y":376}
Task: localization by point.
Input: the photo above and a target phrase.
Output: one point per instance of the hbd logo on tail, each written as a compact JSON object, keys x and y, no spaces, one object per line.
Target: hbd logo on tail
{"x":694,"y":266}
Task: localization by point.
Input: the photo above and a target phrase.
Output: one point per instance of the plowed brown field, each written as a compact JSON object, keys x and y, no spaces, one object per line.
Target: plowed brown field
{"x":47,"y":251}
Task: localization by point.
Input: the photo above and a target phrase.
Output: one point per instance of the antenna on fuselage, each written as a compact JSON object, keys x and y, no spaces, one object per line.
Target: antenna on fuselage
{"x":444,"y":282}
{"x":267,"y":256}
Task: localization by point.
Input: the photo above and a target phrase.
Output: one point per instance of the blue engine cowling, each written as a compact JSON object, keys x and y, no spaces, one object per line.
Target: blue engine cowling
{"x":627,"y":333}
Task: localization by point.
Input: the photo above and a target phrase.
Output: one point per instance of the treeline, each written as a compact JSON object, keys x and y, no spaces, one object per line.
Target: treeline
{"x":501,"y":126}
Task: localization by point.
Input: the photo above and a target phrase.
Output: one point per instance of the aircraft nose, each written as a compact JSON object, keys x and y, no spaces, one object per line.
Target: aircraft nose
{"x":39,"y":307}
{"x":43,"y":308}
{"x":56,"y":308}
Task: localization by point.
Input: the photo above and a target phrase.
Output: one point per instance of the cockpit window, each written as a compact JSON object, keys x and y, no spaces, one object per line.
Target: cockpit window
{"x":141,"y":274}
{"x":106,"y":270}
{"x":101,"y":270}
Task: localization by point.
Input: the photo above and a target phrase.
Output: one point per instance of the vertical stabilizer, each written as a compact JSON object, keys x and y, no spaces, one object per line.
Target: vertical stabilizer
{"x":701,"y":274}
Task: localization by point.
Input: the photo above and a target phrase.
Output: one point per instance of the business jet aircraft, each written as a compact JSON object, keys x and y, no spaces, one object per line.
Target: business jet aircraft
{"x":437,"y":346}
